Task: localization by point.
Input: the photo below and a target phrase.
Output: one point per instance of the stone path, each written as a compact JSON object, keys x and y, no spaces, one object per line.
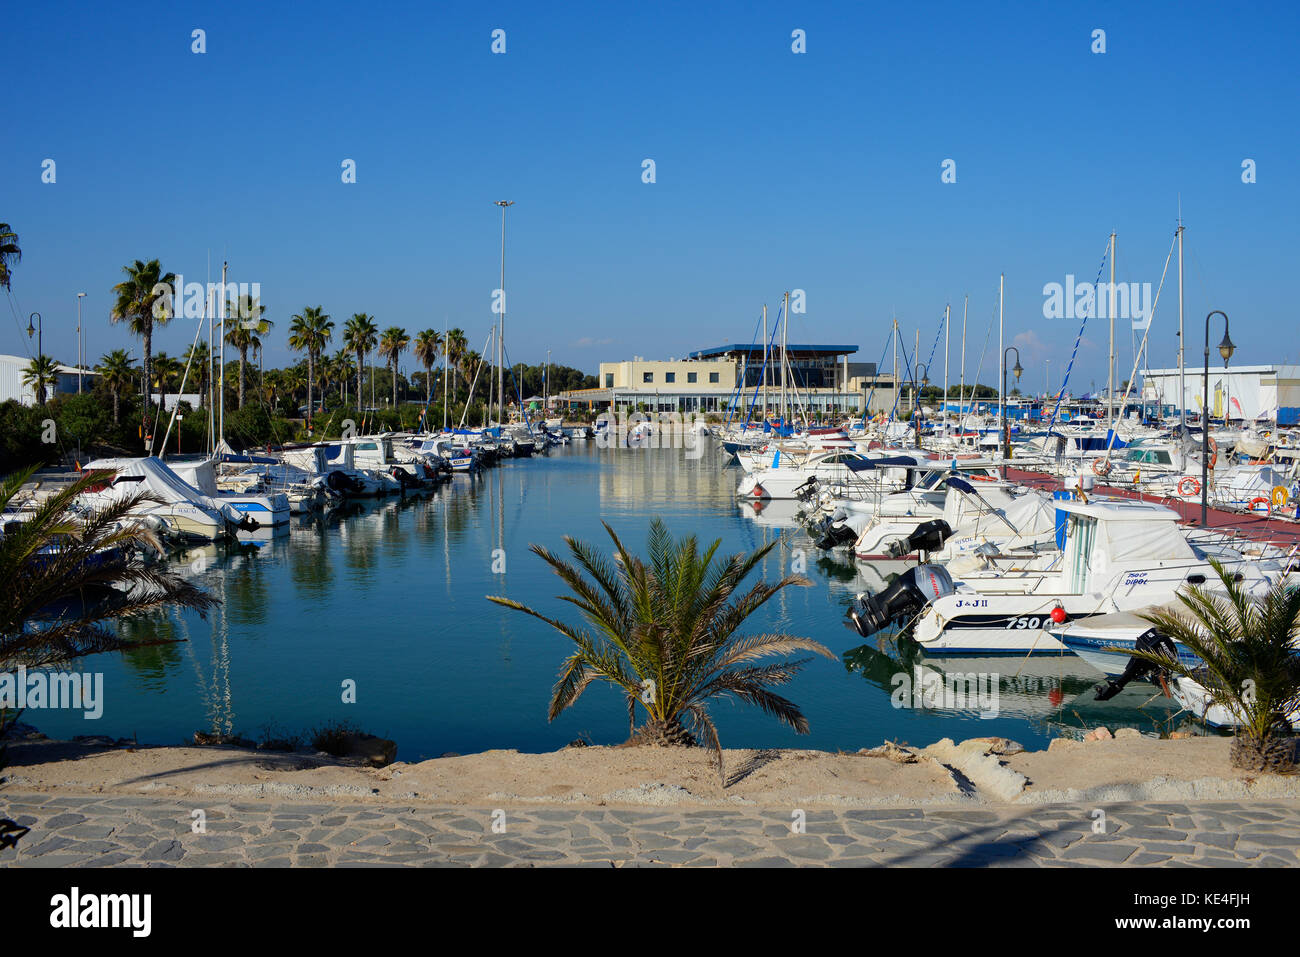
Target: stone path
{"x":153,"y":831}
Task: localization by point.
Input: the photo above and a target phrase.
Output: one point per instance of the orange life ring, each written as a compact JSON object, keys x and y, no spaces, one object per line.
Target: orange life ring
{"x":1214,"y":452}
{"x":1188,"y":486}
{"x":1100,"y":467}
{"x":1259,"y":500}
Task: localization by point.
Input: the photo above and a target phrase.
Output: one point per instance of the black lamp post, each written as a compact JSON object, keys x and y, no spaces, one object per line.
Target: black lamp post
{"x":1006,"y":429}
{"x":1226,"y":348}
{"x":36,"y":330}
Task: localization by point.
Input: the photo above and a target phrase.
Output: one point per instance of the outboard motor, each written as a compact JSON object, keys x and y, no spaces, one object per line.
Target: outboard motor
{"x":343,"y":483}
{"x":905,"y":597}
{"x":806,"y":490}
{"x":1150,"y":640}
{"x":836,"y":531}
{"x":926,"y":537}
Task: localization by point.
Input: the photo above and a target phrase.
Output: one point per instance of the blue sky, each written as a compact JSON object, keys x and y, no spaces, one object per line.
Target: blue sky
{"x":774,"y":170}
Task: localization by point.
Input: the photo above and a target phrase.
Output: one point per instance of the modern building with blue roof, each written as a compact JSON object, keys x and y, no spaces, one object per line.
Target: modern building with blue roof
{"x":730,"y":378}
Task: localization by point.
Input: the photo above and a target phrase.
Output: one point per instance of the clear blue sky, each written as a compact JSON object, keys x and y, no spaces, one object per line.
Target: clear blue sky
{"x":775,"y":170}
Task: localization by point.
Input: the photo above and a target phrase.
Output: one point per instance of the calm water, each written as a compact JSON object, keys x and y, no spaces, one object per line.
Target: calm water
{"x":392,"y":596}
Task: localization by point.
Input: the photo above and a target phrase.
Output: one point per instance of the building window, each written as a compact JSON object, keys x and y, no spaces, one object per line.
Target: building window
{"x":647,"y":377}
{"x":670,"y":376}
{"x":609,"y":380}
{"x":692,"y":376}
{"x":713,"y":377}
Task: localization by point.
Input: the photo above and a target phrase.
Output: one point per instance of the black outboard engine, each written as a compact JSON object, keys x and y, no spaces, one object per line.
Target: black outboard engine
{"x":905,"y":596}
{"x":1150,"y":640}
{"x":926,"y":537}
{"x":343,"y":483}
{"x":835,"y":530}
{"x":807,"y":490}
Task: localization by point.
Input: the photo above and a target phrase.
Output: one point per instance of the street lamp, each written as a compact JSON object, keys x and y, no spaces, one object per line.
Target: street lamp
{"x":1226,"y":349}
{"x":1006,"y":429}
{"x":35,"y":330}
{"x":81,"y":361}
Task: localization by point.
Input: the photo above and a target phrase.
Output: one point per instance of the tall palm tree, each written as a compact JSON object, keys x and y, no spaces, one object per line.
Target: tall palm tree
{"x":665,"y":632}
{"x":360,"y":335}
{"x":391,"y":346}
{"x":428,"y":346}
{"x":117,"y":371}
{"x":42,"y":374}
{"x":142,"y":304}
{"x":245,"y":333}
{"x":10,"y":253}
{"x":92,"y":570}
{"x":457,"y":345}
{"x":1249,"y":651}
{"x":310,"y":331}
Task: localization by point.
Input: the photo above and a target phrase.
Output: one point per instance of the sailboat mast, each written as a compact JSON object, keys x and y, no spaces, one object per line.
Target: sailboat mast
{"x":1110,"y":364}
{"x":894,"y":335}
{"x":1002,"y":361}
{"x":961,"y":389}
{"x":501,"y":337}
{"x":764,"y":369}
{"x":785,"y":327}
{"x":1182,"y":383}
{"x":947,"y":313}
{"x":221,"y":431}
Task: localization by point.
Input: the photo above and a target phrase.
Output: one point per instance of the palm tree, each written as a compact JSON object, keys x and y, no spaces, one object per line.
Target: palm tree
{"x":42,"y":374}
{"x":141,"y":302}
{"x":428,"y":346}
{"x":10,"y":254}
{"x":310,"y":332}
{"x":457,"y":345}
{"x":1248,"y":647}
{"x":344,"y":369}
{"x":117,"y":371}
{"x":391,"y":346}
{"x":198,"y":357}
{"x":666,"y":634}
{"x":92,"y":570}
{"x":250,"y":325}
{"x":167,"y":373}
{"x":359,"y":335}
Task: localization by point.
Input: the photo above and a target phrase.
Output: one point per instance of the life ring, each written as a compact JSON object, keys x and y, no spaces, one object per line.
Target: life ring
{"x":1214,"y":452}
{"x":1188,"y":486}
{"x":1100,"y":467}
{"x":1259,"y":500}
{"x":1280,"y":496}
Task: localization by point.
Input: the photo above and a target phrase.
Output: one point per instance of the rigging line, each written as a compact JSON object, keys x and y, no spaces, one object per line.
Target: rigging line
{"x":1092,"y":306}
{"x":866,"y":406}
{"x":1110,"y":442}
{"x":737,"y":392}
{"x":13,"y":307}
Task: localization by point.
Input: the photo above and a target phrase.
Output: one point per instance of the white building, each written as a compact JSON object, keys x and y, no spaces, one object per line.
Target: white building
{"x":13,"y":387}
{"x":1248,"y":393}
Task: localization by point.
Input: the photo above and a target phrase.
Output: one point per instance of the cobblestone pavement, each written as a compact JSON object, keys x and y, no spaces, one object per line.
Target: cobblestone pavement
{"x":150,"y":831}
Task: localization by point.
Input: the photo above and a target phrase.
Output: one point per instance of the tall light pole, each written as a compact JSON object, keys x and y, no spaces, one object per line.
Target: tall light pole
{"x":501,"y":336}
{"x":1226,"y":349}
{"x":1006,"y":429}
{"x":81,"y":359}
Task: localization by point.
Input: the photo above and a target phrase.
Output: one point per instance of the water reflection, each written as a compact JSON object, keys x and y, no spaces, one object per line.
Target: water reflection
{"x":391,"y":595}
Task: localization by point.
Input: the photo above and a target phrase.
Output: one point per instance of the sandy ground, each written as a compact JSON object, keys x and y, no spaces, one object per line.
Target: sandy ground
{"x":1117,"y":770}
